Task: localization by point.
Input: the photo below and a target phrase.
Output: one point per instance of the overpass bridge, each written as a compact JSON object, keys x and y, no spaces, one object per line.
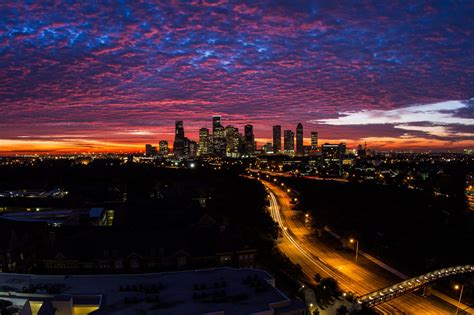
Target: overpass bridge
{"x":410,"y":285}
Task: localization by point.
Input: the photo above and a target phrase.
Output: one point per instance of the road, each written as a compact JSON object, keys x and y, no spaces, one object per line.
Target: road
{"x":280,"y":174}
{"x":316,"y":257}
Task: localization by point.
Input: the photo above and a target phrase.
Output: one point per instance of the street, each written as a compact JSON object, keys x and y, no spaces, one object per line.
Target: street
{"x":316,"y":257}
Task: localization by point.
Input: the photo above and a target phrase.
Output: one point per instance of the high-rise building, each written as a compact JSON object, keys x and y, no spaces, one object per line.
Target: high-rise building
{"x":192,"y":148}
{"x":249,"y":141}
{"x":216,"y":121}
{"x":219,"y":141}
{"x":179,"y":143}
{"x":314,"y":141}
{"x":299,"y":140}
{"x":204,"y":143}
{"x":289,"y":142}
{"x":233,"y":142}
{"x":164,"y":147}
{"x":276,"y":139}
{"x":150,"y":150}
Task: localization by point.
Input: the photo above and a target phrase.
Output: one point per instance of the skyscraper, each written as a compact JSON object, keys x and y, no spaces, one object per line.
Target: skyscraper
{"x":150,"y":150}
{"x":219,"y":141}
{"x":276,"y":139}
{"x":178,"y":146}
{"x":233,"y":142}
{"x":216,"y":121}
{"x":192,"y":148}
{"x":164,"y":147}
{"x":249,"y":140}
{"x":299,"y":140}
{"x":314,"y":141}
{"x":289,"y":142}
{"x":203,"y":142}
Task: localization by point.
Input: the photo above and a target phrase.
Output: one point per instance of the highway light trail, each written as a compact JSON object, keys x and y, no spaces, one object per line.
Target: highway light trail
{"x":275,"y":213}
{"x":353,"y":278}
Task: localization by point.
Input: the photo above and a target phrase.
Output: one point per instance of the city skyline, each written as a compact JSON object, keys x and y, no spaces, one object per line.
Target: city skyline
{"x":94,"y":78}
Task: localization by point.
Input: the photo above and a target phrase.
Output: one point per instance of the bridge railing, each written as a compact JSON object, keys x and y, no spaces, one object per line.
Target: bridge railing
{"x":410,"y":285}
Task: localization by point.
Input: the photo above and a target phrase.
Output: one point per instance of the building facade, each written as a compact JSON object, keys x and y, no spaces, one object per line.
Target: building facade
{"x":276,"y":139}
{"x":299,"y":140}
{"x":289,"y":143}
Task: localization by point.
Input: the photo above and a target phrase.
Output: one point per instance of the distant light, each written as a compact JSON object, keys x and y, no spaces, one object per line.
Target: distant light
{"x":192,"y":165}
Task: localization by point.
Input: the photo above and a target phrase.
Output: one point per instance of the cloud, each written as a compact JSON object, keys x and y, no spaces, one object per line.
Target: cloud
{"x":101,"y":69}
{"x":438,"y":113}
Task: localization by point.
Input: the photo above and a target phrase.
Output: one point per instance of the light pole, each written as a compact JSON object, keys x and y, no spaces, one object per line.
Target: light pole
{"x":456,"y":287}
{"x":357,"y":247}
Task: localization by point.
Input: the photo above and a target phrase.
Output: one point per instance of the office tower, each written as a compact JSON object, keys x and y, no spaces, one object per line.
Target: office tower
{"x":216,"y":121}
{"x":219,"y":141}
{"x":233,"y":142}
{"x":179,"y":139}
{"x":185,"y":147}
{"x":299,"y":140}
{"x":203,"y":142}
{"x":164,"y":147}
{"x":289,"y":142}
{"x":192,"y":148}
{"x":148,"y":149}
{"x":276,"y":139}
{"x":314,"y":141}
{"x":249,"y":141}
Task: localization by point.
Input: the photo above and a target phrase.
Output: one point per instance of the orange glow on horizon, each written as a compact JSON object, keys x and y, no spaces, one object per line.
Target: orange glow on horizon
{"x":68,"y":146}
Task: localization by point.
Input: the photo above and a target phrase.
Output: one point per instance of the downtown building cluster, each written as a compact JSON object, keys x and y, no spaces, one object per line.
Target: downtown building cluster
{"x":229,"y":142}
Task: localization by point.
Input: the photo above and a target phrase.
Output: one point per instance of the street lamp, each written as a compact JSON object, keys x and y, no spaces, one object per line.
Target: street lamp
{"x":357,"y":247}
{"x":457,"y":287}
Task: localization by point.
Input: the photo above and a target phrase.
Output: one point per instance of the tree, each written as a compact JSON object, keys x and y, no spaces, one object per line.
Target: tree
{"x":341,"y":310}
{"x":326,"y":290}
{"x":317,"y":277}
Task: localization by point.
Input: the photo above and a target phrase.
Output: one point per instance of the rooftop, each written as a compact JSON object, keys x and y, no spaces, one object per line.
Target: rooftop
{"x":223,"y":290}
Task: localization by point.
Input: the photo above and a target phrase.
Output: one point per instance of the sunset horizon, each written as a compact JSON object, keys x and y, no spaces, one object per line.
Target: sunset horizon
{"x":91,"y":77}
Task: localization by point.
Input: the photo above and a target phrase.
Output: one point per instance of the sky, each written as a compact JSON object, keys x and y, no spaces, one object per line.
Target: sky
{"x":81,"y":76}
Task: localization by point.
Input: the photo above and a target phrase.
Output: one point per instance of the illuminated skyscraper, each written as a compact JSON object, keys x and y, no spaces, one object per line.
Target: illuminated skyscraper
{"x":289,"y":142}
{"x":233,"y":142}
{"x":249,"y":141}
{"x":203,"y":142}
{"x":276,"y":139}
{"x":299,"y":140}
{"x":164,"y":147}
{"x":219,"y":141}
{"x":179,"y":139}
{"x":192,"y":148}
{"x":314,"y":141}
{"x":216,"y":121}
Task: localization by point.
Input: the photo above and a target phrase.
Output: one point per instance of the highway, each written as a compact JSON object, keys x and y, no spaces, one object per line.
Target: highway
{"x":316,"y":257}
